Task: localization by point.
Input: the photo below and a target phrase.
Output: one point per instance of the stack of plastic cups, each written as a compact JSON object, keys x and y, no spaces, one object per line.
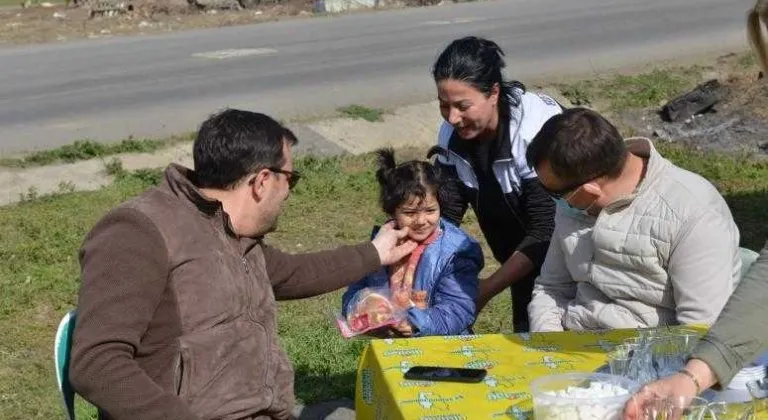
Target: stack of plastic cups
{"x":657,"y":353}
{"x":749,"y":385}
{"x":746,"y":375}
{"x":758,"y":389}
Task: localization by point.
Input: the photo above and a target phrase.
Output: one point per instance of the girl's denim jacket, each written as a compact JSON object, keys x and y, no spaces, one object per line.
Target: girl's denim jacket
{"x":448,"y":272}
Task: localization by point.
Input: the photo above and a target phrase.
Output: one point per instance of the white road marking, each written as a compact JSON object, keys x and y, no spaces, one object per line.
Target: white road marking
{"x":468,"y":19}
{"x":453,"y":21}
{"x":234,"y":53}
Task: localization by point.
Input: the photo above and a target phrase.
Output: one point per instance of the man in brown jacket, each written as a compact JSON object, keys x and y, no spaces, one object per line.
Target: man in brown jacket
{"x":177,"y":306}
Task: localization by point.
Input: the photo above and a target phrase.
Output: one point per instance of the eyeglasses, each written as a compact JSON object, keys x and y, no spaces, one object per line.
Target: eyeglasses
{"x":562,"y":192}
{"x":292,"y":176}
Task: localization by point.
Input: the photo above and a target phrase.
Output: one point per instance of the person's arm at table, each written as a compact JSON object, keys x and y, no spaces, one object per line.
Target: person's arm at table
{"x":553,"y":290}
{"x":517,"y":266}
{"x":679,"y":384}
{"x":735,"y":339}
{"x":739,"y":334}
{"x":539,"y":212}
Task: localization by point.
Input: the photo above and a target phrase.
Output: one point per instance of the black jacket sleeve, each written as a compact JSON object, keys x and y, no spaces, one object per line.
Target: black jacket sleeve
{"x":453,"y":202}
{"x":539,"y":215}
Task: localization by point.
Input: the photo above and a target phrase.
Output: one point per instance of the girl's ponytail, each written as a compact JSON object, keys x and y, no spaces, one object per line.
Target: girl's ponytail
{"x":385,"y":159}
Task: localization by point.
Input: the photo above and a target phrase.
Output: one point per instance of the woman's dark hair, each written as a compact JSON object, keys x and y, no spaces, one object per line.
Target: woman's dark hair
{"x":412,"y":178}
{"x":478,"y":62}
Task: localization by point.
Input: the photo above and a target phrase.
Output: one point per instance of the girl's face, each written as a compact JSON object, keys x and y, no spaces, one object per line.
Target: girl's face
{"x":421,"y":217}
{"x":471,"y":113}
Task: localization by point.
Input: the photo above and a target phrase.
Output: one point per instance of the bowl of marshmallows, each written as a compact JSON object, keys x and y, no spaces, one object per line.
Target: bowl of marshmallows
{"x":581,"y":396}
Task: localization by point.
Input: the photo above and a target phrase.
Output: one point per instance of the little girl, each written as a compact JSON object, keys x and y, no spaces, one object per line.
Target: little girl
{"x":438,"y":282}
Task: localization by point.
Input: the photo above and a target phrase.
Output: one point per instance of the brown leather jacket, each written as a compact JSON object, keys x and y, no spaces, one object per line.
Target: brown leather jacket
{"x":177,"y":315}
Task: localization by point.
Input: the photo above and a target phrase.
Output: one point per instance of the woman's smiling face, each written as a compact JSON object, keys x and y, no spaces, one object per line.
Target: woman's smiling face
{"x":468,"y":110}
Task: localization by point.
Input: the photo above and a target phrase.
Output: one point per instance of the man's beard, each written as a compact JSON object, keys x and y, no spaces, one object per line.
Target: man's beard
{"x":272,"y":225}
{"x":270,"y":221}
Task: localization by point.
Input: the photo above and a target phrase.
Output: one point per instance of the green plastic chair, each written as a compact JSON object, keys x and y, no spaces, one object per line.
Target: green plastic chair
{"x":61,"y":353}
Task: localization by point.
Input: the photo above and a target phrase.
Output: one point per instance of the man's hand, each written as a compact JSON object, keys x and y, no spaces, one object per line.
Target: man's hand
{"x":392,"y":245}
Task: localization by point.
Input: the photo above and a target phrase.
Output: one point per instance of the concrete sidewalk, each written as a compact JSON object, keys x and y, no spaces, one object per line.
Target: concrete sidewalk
{"x":414,"y":125}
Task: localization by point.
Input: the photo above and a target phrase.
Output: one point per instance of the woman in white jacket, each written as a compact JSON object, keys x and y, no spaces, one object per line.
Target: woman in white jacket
{"x":488,"y":125}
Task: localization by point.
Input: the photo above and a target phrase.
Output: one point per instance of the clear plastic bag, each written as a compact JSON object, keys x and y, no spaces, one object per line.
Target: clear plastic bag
{"x":369,"y":309}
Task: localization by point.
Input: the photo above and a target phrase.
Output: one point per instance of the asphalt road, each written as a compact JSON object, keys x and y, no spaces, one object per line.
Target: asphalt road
{"x":157,"y":85}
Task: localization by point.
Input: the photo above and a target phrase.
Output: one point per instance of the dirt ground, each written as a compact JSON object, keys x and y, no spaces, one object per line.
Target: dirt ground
{"x":737,"y":123}
{"x":57,"y":23}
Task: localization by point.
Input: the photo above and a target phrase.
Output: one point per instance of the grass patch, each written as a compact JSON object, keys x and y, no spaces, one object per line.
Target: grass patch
{"x":335,"y":204}
{"x":742,"y":180}
{"x":578,"y":94}
{"x":632,"y":91}
{"x":89,"y":149}
{"x":362,"y":112}
{"x":748,"y":60}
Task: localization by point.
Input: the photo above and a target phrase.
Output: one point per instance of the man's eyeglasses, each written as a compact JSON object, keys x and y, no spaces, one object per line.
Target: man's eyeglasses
{"x":292,"y":176}
{"x":562,"y":192}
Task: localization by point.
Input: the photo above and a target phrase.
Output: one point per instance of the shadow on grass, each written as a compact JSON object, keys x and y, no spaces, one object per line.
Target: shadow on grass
{"x":750,"y":210}
{"x":324,"y":394}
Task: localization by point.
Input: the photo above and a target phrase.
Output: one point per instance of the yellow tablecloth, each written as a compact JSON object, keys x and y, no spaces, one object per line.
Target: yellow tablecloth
{"x":512,"y":362}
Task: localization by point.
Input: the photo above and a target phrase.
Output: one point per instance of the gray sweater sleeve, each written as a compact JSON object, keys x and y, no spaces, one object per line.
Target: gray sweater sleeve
{"x":739,"y":334}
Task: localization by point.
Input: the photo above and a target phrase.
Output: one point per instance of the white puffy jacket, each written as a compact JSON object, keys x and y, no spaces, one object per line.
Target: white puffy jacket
{"x":667,"y":254}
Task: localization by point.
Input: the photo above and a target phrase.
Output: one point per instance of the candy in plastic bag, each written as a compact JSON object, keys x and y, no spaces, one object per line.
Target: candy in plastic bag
{"x":368,"y":310}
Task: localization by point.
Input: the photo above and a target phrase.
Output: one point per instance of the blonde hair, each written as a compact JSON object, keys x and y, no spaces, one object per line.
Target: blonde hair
{"x":757,"y":39}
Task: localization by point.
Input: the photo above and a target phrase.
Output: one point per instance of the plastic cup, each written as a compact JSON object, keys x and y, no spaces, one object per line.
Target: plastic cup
{"x":624,"y":350}
{"x":759,"y":392}
{"x":619,"y":363}
{"x":731,"y":411}
{"x":669,"y":353}
{"x":675,"y":408}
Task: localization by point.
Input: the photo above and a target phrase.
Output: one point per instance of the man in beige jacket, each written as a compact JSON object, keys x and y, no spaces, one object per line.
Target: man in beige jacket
{"x":638,"y":241}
